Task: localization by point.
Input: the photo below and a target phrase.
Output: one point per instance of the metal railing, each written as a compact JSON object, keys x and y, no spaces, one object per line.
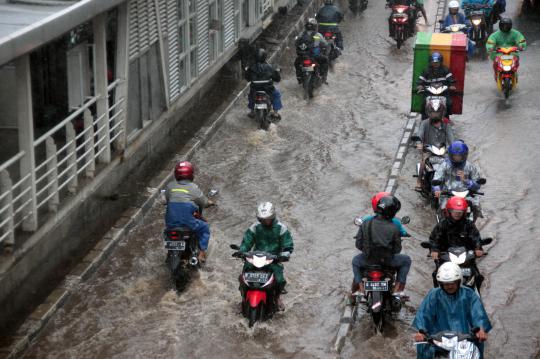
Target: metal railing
{"x":70,"y":148}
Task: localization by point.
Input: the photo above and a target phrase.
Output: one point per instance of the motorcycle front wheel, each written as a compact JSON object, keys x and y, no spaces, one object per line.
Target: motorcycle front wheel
{"x":507,"y":87}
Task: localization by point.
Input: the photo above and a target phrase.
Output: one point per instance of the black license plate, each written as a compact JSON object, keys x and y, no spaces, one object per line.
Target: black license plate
{"x":376,"y":286}
{"x":256,"y":277}
{"x":175,"y":245}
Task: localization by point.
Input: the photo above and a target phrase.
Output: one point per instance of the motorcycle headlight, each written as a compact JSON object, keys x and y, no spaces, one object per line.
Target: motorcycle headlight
{"x":454,"y":28}
{"x":476,"y":22}
{"x":507,"y":68}
{"x":400,"y":10}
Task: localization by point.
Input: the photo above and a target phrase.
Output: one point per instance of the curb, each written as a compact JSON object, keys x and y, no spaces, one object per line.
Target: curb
{"x":14,"y":346}
{"x":349,"y":313}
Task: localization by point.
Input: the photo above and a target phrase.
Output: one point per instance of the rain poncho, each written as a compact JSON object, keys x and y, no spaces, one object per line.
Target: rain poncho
{"x":460,"y":312}
{"x":505,"y":39}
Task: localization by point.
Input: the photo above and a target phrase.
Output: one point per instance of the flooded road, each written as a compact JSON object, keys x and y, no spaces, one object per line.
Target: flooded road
{"x":320,"y":166}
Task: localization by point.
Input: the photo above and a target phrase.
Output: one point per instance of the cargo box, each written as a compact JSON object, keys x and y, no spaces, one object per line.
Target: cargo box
{"x":453,"y":48}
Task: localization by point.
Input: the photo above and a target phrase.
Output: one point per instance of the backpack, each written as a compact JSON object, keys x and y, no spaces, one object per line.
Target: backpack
{"x":376,"y":252}
{"x":304,"y":42}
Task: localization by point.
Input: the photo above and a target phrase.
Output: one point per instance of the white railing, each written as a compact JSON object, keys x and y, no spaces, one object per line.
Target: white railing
{"x":62,"y":154}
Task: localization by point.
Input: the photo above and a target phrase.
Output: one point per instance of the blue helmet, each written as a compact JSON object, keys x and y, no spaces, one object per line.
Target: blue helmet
{"x":457,"y":152}
{"x":435,"y":57}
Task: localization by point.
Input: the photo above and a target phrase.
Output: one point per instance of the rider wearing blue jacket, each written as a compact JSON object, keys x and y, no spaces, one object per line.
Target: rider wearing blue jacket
{"x":451,"y":307}
{"x":454,"y":17}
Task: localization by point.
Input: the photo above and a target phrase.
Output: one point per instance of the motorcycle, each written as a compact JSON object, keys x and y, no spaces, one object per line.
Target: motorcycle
{"x":461,"y":29}
{"x":333,"y":51}
{"x":466,"y":260}
{"x":507,"y":65}
{"x":258,"y":285}
{"x":358,"y":6}
{"x":479,"y":31}
{"x":453,"y":345}
{"x":401,"y":23}
{"x":435,"y":101}
{"x":378,"y":283}
{"x":485,"y":13}
{"x":311,"y":76}
{"x":262,"y":104}
{"x":433,"y":156}
{"x":182,"y":247}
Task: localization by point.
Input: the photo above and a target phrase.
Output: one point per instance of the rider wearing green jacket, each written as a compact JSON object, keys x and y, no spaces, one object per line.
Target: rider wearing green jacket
{"x":505,"y":37}
{"x":269,"y":235}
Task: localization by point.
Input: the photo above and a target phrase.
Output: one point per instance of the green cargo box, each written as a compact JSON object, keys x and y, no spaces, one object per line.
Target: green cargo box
{"x":453,"y":48}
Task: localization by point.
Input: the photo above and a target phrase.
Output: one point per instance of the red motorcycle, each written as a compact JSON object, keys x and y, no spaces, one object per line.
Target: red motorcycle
{"x":505,"y":66}
{"x":401,"y":23}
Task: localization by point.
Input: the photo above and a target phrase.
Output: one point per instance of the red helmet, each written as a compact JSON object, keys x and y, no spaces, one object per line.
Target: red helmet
{"x":183,"y":171}
{"x":457,"y":204}
{"x":376,"y":198}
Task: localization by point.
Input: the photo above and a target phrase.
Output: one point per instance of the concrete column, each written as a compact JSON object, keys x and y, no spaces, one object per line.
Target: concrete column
{"x":100,"y":83}
{"x":122,"y":66}
{"x":25,"y":122}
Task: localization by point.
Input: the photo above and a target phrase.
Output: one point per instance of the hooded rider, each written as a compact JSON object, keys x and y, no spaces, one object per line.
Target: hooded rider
{"x":505,"y":37}
{"x":329,"y":17}
{"x":269,"y":235}
{"x":451,"y":307}
{"x":313,"y":44}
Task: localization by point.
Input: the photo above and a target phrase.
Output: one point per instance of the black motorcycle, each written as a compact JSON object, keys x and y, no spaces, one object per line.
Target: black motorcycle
{"x":472,"y":211}
{"x":333,"y":51}
{"x":311,"y":76}
{"x":433,"y":156}
{"x":262,"y":104}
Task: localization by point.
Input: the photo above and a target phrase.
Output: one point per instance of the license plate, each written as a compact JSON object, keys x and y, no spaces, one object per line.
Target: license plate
{"x":261,"y":106}
{"x":175,"y":245}
{"x":256,"y":277}
{"x":376,"y":286}
{"x":507,"y":57}
{"x":399,"y":15}
{"x":466,"y":272}
{"x":309,"y":69}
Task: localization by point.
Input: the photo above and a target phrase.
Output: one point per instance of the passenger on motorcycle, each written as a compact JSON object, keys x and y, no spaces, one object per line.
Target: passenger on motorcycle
{"x":432,"y":131}
{"x":380,"y":242}
{"x":454,"y":17}
{"x":437,"y":73}
{"x":456,"y":230}
{"x":329,"y":17}
{"x":451,"y":307}
{"x":313,"y":43}
{"x":456,"y":173}
{"x":262,"y":76}
{"x":184,"y":201}
{"x":269,"y":235}
{"x":505,"y":37}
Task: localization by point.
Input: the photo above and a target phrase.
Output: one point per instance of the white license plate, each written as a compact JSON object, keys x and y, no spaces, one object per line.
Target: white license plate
{"x":466,"y":272}
{"x":175,"y":245}
{"x":309,"y":68}
{"x":256,"y":277}
{"x":399,"y":15}
{"x":376,"y":286}
{"x":507,"y":57}
{"x":261,"y":106}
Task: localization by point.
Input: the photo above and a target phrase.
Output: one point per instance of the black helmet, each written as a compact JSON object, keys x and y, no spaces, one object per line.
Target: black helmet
{"x":505,"y":24}
{"x":260,"y":56}
{"x":311,"y":24}
{"x":388,"y":206}
{"x":328,"y":2}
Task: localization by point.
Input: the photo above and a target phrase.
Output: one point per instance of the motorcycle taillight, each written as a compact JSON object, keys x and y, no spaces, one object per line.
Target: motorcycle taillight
{"x":259,"y":98}
{"x":307,"y":62}
{"x":328,"y":35}
{"x":173,"y":235}
{"x":375,"y":275}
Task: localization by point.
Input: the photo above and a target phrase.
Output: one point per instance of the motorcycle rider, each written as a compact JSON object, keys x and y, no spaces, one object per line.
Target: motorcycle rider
{"x":497,"y":7}
{"x":451,"y":307}
{"x":184,"y":199}
{"x":456,"y":230}
{"x":505,"y":37}
{"x":380,"y":242}
{"x":262,"y":76}
{"x":269,"y":235}
{"x":413,"y":4}
{"x":437,"y":73}
{"x":458,"y":173}
{"x":329,"y":17}
{"x":454,"y":17}
{"x":313,"y":43}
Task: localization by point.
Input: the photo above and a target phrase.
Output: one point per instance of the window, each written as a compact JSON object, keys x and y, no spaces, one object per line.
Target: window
{"x":193,"y":62}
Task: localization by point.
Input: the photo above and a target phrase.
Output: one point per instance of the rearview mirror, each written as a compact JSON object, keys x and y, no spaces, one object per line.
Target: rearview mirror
{"x":485,"y":241}
{"x":405,"y":219}
{"x":425,"y":245}
{"x":415,"y":138}
{"x":235,"y":247}
{"x":358,"y":221}
{"x":436,"y":182}
{"x":481,"y":181}
{"x":213,"y":192}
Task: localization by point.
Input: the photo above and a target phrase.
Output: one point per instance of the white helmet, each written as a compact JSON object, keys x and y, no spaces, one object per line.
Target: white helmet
{"x":266,"y":210}
{"x":454,"y":4}
{"x":448,"y":273}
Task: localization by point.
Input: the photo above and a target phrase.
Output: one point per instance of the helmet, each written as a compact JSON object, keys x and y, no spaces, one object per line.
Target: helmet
{"x":328,"y":2}
{"x":388,"y":206}
{"x":183,"y":171}
{"x":457,"y":204}
{"x":454,"y":4}
{"x":375,"y":199}
{"x":260,"y":56}
{"x":311,"y":24}
{"x":448,"y":273}
{"x":505,"y":24}
{"x":435,"y":57}
{"x":457,"y":152}
{"x":266,"y":210}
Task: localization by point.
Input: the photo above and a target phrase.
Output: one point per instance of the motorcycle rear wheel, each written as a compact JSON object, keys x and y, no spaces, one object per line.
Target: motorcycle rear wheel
{"x":378,"y":320}
{"x":262,"y":119}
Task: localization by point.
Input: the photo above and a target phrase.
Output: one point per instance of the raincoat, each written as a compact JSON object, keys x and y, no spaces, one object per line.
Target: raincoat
{"x":460,"y":312}
{"x":505,"y":39}
{"x":274,"y":240}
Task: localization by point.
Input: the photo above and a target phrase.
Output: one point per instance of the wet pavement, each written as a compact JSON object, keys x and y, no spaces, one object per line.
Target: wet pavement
{"x":320,"y":166}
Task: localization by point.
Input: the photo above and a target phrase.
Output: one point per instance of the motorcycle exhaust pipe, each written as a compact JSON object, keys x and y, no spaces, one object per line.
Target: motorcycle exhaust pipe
{"x":193,"y":261}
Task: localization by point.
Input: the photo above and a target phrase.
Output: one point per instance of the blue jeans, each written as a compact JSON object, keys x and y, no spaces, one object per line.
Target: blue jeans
{"x":401,"y":262}
{"x":276,"y":99}
{"x":181,"y":214}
